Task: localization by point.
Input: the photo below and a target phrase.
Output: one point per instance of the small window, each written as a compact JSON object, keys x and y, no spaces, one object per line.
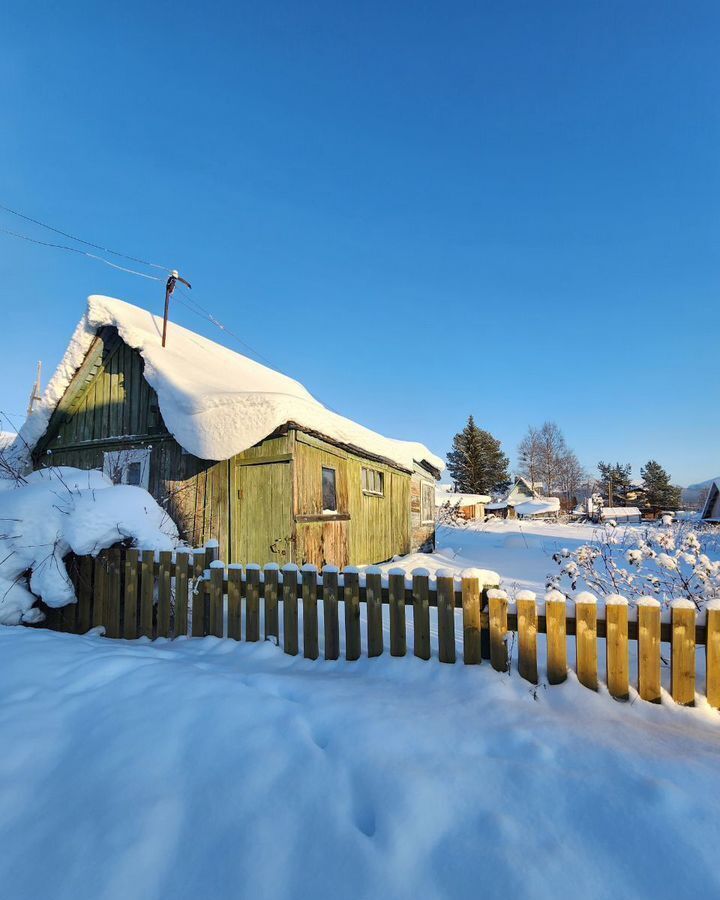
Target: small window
{"x":128,"y":466}
{"x":373,"y":482}
{"x":329,"y":493}
{"x":427,"y":503}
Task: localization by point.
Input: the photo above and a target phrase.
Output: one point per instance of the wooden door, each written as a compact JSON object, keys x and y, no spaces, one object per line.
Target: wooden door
{"x":262,"y":526}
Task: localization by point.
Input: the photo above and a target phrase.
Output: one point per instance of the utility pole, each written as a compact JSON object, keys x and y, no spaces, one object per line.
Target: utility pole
{"x":35,"y":393}
{"x":169,"y":288}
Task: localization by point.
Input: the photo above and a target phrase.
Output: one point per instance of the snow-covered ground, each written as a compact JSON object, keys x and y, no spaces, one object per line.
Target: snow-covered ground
{"x":209,"y":768}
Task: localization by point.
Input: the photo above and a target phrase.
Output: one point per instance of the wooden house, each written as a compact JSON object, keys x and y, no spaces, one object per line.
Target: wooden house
{"x":711,"y":508}
{"x":233,"y":450}
{"x":469,"y":506}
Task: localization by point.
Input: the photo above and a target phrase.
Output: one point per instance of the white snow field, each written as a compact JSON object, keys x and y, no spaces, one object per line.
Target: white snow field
{"x":208,"y":768}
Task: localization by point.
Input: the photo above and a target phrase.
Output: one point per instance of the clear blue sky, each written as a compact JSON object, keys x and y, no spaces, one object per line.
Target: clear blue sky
{"x":419,"y":210}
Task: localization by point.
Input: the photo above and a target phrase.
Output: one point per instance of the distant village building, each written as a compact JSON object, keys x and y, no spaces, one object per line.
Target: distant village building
{"x":525,"y":501}
{"x":711,"y":508}
{"x":469,"y":506}
{"x":233,"y":450}
{"x":624,"y":515}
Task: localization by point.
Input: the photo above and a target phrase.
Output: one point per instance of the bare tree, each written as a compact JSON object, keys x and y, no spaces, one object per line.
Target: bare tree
{"x":529,"y":455}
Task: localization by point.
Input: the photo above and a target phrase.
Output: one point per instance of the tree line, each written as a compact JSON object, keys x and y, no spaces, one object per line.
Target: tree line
{"x":477,"y":464}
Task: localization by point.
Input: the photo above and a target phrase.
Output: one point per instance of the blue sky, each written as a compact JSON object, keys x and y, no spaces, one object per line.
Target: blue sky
{"x":419,"y":210}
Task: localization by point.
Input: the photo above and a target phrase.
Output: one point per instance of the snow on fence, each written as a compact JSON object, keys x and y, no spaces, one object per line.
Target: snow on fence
{"x":134,"y":594}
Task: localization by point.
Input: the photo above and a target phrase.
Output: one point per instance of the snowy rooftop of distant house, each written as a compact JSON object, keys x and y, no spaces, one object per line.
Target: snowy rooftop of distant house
{"x":442,"y":495}
{"x":539,"y":506}
{"x":618,"y":512}
{"x":6,"y":438}
{"x":214,"y":401}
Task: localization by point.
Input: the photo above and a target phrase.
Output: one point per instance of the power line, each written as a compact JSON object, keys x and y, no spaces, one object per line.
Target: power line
{"x":107,"y":262}
{"x":72,"y":237}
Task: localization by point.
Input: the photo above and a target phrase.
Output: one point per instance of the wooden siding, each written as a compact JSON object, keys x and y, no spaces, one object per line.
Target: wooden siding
{"x":421,"y":532}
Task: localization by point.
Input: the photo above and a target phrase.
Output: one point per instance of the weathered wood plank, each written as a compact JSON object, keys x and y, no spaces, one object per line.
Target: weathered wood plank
{"x":446,"y":617}
{"x":215,"y":587}
{"x":373,"y":588}
{"x":331,"y":621}
{"x":182,"y":572}
{"x":130,"y":598}
{"x":586,"y":640}
{"x":497,"y":607}
{"x":527,"y":636}
{"x":85,"y":594}
{"x":682,"y":668}
{"x":99,"y":613}
{"x":556,"y":630}
{"x":290,"y":609}
{"x":649,"y":684}
{"x":310,"y":612}
{"x":252,"y":602}
{"x":351,"y":592}
{"x":396,"y":596}
{"x":472,"y":620}
{"x":712,"y":655}
{"x":270,"y":593}
{"x":421,"y":613}
{"x":234,"y":595}
{"x":164,"y":594}
{"x":616,"y":647}
{"x":147,"y":590}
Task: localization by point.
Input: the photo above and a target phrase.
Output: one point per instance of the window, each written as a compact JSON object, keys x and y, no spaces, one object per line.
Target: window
{"x":128,"y":466}
{"x":427,"y":502}
{"x":373,"y":482}
{"x":329,"y":494}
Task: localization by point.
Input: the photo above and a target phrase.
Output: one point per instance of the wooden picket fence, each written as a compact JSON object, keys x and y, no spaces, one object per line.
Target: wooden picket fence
{"x":133,"y":594}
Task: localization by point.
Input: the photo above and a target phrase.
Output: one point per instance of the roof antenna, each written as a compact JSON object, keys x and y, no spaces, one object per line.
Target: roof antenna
{"x":35,"y":393}
{"x":169,"y":288}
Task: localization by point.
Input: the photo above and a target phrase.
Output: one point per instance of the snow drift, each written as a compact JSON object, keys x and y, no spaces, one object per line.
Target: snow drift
{"x":215,"y":402}
{"x":59,"y":510}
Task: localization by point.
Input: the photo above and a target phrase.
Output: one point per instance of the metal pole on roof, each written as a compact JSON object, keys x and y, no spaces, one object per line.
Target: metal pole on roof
{"x":169,"y":288}
{"x":35,"y":393}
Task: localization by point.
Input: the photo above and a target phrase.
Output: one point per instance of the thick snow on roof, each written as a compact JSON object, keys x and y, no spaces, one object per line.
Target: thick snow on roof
{"x":457,"y":499}
{"x":215,"y":402}
{"x":618,"y":512}
{"x":538,"y":507}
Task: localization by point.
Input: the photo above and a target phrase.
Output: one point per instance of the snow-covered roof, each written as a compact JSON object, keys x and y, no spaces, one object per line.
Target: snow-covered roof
{"x":214,"y":401}
{"x":710,"y":500}
{"x":456,"y":499}
{"x":498,"y":504}
{"x":538,"y":507}
{"x":618,"y":512}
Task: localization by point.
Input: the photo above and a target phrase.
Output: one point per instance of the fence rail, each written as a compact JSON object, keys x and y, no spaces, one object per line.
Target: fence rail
{"x":133,"y":594}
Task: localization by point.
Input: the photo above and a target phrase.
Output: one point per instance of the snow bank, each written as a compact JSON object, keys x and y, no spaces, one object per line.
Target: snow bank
{"x":60,"y":510}
{"x":215,"y":402}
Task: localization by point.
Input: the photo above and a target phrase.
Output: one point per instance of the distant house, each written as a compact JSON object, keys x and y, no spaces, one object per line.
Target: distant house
{"x":234,"y":450}
{"x":711,"y":507}
{"x":469,"y":506}
{"x":525,"y":501}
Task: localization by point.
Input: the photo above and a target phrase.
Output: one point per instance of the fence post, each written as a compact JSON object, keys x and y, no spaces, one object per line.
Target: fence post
{"x":497,"y":606}
{"x":99,"y":591}
{"x":649,"y":685}
{"x":234,"y":596}
{"x":616,"y":646}
{"x":85,"y":594}
{"x":270,"y":594}
{"x":164,"y":585}
{"x":217,"y":577}
{"x":290,"y":609}
{"x":147,"y":591}
{"x":682,"y":668}
{"x":310,"y":611}
{"x":421,"y":613}
{"x":586,"y":639}
{"x":112,"y":609}
{"x":182,"y":571}
{"x":396,"y":592}
{"x":527,"y":636}
{"x":330,"y":612}
{"x":472,"y":620}
{"x":446,"y":615}
{"x":252,"y":602}
{"x":556,"y":628}
{"x":130,"y":599}
{"x":373,"y":598}
{"x":199,"y":599}
{"x":712,"y":653}
{"x":351,"y":598}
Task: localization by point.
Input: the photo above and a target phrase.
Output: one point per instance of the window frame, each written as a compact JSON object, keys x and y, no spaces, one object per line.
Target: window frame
{"x":123,"y":459}
{"x":324,"y":469}
{"x":430,"y":488}
{"x":365,"y":480}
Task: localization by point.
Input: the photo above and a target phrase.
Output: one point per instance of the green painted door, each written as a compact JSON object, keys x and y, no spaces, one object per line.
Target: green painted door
{"x":263,"y":524}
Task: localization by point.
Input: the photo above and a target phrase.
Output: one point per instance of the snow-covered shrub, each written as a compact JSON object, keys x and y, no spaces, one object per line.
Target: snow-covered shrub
{"x":49,"y":513}
{"x":667,"y":561}
{"x":449,"y":514}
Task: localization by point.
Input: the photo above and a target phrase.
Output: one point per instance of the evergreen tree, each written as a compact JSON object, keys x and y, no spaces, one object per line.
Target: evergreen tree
{"x":476,"y":463}
{"x":660,"y":493}
{"x":616,"y":476}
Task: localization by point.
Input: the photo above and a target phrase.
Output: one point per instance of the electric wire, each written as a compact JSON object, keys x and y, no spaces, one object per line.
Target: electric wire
{"x":107,"y":262}
{"x":73,"y":237}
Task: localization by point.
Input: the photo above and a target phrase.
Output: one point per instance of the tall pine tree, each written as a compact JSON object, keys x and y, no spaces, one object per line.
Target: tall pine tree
{"x":659,"y":492}
{"x":476,"y":463}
